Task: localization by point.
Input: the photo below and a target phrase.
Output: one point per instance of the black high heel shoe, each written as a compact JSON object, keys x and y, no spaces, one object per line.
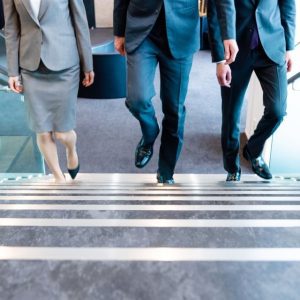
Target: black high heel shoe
{"x":73,"y":172}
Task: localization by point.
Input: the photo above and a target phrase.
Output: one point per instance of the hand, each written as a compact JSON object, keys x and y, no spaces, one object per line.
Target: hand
{"x":120,"y":45}
{"x":88,"y":78}
{"x":15,"y":84}
{"x":224,"y":74}
{"x":231,"y":50}
{"x":289,"y":61}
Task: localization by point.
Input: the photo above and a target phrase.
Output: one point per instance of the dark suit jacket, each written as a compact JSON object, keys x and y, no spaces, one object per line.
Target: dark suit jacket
{"x":134,"y":19}
{"x":275,"y":21}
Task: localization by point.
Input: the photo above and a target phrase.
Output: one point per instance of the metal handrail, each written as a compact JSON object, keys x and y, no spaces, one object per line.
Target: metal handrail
{"x":3,"y":71}
{"x":5,"y":88}
{"x":294,"y":78}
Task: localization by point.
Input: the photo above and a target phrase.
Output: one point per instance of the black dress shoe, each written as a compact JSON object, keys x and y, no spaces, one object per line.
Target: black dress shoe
{"x":162,"y":180}
{"x":143,"y":154}
{"x":259,"y":167}
{"x":236,"y":176}
{"x":73,"y":172}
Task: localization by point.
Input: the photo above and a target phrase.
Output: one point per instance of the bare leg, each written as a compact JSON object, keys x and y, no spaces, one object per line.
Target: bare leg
{"x":68,"y":139}
{"x":48,"y":148}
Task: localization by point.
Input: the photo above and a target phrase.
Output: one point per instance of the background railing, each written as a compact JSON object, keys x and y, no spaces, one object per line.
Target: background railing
{"x":19,"y":154}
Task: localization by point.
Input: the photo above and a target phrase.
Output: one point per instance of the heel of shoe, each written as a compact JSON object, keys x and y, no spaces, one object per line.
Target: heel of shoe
{"x":73,"y":172}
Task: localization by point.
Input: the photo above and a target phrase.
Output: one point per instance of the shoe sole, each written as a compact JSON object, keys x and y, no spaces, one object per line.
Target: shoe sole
{"x":144,"y":165}
{"x":263,"y":177}
{"x":246,"y":155}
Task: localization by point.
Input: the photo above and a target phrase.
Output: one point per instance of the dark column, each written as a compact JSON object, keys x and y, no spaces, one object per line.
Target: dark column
{"x":90,"y":11}
{"x":1,"y":15}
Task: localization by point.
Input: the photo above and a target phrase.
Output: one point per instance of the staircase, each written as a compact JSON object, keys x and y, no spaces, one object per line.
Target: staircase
{"x":120,"y":236}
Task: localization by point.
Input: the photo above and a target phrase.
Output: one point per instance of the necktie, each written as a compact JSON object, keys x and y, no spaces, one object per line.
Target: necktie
{"x":254,"y":42}
{"x":254,"y":38}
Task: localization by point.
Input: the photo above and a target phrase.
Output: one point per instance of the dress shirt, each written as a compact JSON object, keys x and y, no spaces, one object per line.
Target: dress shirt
{"x":35,"y":5}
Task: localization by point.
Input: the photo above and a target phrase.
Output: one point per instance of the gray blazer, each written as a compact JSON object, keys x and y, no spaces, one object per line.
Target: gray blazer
{"x":59,"y":36}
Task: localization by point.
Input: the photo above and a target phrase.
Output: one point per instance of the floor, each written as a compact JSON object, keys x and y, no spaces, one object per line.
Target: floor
{"x":120,"y":236}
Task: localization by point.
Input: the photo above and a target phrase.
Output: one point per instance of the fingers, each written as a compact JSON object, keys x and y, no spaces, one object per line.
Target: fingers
{"x":121,"y":50}
{"x":120,"y":45}
{"x":14,"y":85}
{"x":224,"y":80}
{"x":231,"y":54}
{"x":228,"y":78}
{"x":289,"y":65}
{"x":88,"y":79}
{"x":227,"y":52}
{"x":224,"y":75}
{"x":230,"y":50}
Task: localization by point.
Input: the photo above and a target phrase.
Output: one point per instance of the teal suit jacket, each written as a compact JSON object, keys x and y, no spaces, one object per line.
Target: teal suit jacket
{"x":275,"y":21}
{"x":134,"y":19}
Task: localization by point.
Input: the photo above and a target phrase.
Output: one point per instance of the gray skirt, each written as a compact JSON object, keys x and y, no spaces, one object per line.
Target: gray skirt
{"x":51,"y":98}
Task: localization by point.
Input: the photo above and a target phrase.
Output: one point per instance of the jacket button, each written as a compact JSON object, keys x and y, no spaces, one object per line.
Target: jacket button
{"x":156,"y":11}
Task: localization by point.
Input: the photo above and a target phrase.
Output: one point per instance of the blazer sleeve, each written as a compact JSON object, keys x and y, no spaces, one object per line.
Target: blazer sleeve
{"x":12,"y":37}
{"x":214,"y":32}
{"x":120,"y":15}
{"x":288,"y":21}
{"x":80,"y":23}
{"x":227,"y":18}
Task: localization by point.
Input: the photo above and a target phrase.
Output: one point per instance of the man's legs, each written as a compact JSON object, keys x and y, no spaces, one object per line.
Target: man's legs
{"x":174,"y":75}
{"x":273,"y":80}
{"x":141,"y":66}
{"x":232,"y":101}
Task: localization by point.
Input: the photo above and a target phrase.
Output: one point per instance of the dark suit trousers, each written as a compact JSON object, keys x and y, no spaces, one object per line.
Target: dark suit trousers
{"x":174,"y":77}
{"x":273,"y":80}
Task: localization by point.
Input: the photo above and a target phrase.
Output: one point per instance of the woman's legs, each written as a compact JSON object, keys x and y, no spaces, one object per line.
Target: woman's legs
{"x":68,"y":139}
{"x":48,"y":148}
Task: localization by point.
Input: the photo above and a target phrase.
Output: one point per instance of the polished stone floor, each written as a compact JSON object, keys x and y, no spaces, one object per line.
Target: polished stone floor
{"x":124,"y":237}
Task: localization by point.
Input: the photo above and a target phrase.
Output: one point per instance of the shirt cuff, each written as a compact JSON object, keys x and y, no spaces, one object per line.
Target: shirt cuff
{"x":219,"y":62}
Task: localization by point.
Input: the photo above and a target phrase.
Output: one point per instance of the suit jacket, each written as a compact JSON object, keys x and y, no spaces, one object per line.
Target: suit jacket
{"x":275,"y":21}
{"x":59,"y":36}
{"x":134,"y":19}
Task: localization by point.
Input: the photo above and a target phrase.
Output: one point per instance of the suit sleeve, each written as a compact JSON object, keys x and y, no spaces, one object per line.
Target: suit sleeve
{"x":80,"y":23}
{"x":288,"y":21}
{"x":120,"y":14}
{"x":214,"y":32}
{"x":12,"y":37}
{"x":227,"y":18}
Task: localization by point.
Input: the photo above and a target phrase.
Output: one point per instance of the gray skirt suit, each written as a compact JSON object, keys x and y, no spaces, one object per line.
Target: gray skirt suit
{"x":47,"y":50}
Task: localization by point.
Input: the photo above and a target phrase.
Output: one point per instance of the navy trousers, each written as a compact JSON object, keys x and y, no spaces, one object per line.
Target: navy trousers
{"x":273,"y":80}
{"x":174,"y":75}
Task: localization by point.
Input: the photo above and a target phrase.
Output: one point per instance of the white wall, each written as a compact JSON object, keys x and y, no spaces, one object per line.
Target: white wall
{"x":104,"y":13}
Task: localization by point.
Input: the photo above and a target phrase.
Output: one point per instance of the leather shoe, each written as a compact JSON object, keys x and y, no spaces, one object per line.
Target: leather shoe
{"x":235,"y":176}
{"x":143,"y":154}
{"x":259,"y":167}
{"x":73,"y":172}
{"x":162,"y":180}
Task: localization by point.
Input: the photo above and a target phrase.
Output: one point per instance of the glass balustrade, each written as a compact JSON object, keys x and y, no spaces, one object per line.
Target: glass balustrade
{"x":285,"y":157}
{"x":19,"y":154}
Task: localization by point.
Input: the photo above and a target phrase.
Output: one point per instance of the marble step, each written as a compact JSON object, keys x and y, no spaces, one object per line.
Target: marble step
{"x":217,"y":237}
{"x":149,"y":180}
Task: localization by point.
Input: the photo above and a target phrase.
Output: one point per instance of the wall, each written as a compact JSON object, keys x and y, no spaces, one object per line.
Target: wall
{"x":104,"y":13}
